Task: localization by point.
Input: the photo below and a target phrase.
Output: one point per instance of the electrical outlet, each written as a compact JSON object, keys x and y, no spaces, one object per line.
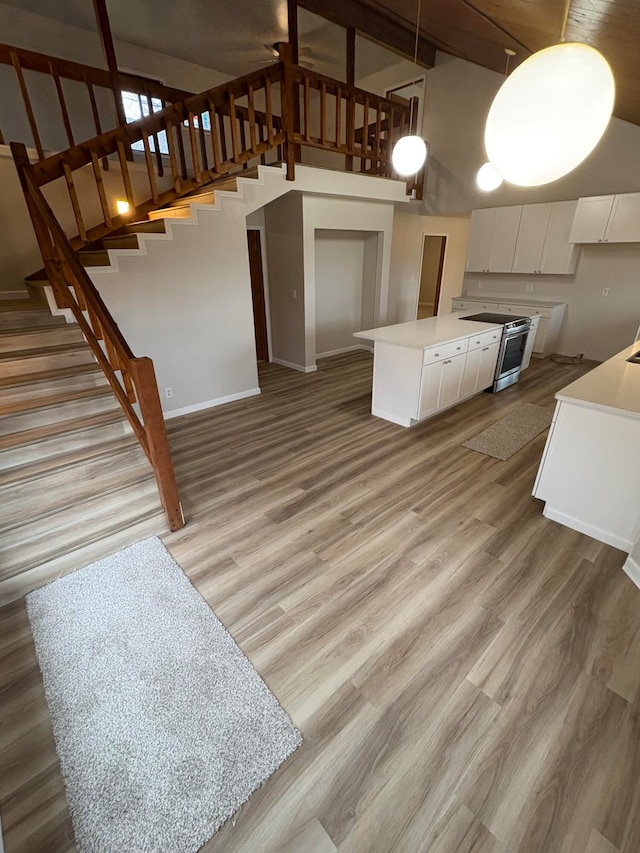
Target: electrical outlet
{"x":168,"y":393}
{"x":605,"y":291}
{"x":480,"y":285}
{"x":528,"y":288}
{"x":294,"y":294}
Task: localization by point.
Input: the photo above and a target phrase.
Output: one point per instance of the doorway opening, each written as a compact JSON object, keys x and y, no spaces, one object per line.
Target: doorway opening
{"x":431,"y":266}
{"x":257,"y":295}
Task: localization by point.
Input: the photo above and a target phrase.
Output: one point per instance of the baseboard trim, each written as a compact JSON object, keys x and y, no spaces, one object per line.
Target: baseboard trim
{"x":210,"y":404}
{"x":632,"y":569}
{"x":588,"y":529}
{"x":343,"y":350}
{"x":395,"y":419}
{"x":299,"y":367}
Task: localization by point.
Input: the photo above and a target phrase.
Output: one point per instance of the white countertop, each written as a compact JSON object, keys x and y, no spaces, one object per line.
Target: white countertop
{"x":510,"y":299}
{"x":614,"y":384}
{"x":418,"y":334}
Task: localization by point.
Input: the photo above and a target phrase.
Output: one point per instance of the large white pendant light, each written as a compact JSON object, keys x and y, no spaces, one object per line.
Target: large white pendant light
{"x":550,"y":113}
{"x":410,"y":151}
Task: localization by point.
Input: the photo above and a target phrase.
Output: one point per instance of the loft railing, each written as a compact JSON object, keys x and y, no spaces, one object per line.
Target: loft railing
{"x":281,"y":108}
{"x":84,"y":96}
{"x":132,"y":379}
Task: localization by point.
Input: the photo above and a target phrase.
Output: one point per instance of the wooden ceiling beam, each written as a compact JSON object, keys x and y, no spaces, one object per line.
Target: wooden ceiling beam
{"x":375,"y":25}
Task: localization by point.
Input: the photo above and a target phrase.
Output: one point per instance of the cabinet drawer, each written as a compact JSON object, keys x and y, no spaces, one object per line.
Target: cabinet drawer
{"x":485,"y":339}
{"x":526,"y":310}
{"x":446,"y":350}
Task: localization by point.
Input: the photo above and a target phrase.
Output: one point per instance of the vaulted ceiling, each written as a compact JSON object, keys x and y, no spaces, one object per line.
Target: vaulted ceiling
{"x":230,"y":35}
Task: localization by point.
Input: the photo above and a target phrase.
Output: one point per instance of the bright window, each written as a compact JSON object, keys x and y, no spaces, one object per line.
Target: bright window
{"x":137,"y":107}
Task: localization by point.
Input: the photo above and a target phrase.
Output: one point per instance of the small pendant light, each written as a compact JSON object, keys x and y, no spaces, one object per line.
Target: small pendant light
{"x":410,"y":151}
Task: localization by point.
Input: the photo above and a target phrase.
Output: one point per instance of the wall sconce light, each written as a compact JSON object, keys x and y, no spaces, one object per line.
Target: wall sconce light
{"x":122,"y":206}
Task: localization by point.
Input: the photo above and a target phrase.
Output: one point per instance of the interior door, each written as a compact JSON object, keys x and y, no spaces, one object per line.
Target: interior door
{"x":257,"y":295}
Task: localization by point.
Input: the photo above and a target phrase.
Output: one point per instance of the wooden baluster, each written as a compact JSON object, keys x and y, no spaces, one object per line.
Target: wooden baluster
{"x":149,"y":161}
{"x":194,"y":148}
{"x":323,"y":112}
{"x":95,"y":323}
{"x":365,"y":135}
{"x":213,"y":120}
{"x":261,"y":131}
{"x":234,"y":127}
{"x":243,"y":140}
{"x":203,"y":142}
{"x":96,"y":116}
{"x":128,"y":384}
{"x":63,"y":105}
{"x":181,"y":154}
{"x":305,"y":102}
{"x":101,"y":191}
{"x":351,"y":116}
{"x":156,"y":139}
{"x":149,"y":399}
{"x":27,"y":104}
{"x":376,"y":144}
{"x":75,"y":204}
{"x":177,"y":184}
{"x":124,"y":169}
{"x":223,"y":137}
{"x":252,"y":118}
{"x":2,"y":142}
{"x":339,"y":117}
{"x":269,"y":109}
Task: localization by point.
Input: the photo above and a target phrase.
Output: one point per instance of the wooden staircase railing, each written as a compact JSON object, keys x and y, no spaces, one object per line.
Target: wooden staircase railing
{"x":281,"y":108}
{"x":132,"y":379}
{"x":71,"y":84}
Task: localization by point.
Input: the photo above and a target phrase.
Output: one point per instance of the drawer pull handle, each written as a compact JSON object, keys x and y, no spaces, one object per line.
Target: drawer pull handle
{"x":437,"y":355}
{"x":484,"y":349}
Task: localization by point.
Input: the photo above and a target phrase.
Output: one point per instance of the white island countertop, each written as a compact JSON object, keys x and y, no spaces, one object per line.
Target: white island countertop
{"x":432,"y":331}
{"x":614,"y":384}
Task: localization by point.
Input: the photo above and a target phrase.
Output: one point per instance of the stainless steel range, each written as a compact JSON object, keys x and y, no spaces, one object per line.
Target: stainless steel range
{"x":515,"y":331}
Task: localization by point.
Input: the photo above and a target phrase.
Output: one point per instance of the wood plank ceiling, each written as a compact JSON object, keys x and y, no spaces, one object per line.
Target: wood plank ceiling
{"x":480,"y":30}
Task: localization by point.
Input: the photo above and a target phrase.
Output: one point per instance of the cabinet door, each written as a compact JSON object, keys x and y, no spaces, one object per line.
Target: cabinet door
{"x":526,"y":356}
{"x":558,"y":254}
{"x":480,"y":237}
{"x":479,"y":369}
{"x":531,"y":237}
{"x":505,"y":235}
{"x":592,"y":216}
{"x":624,"y":222}
{"x":430,"y":382}
{"x":540,"y":341}
{"x":450,"y":386}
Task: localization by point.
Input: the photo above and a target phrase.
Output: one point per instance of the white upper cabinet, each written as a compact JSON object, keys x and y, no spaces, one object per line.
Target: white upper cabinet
{"x":558,"y":253}
{"x":534,"y":223}
{"x":492,"y":239}
{"x":607,"y":219}
{"x":530,"y":238}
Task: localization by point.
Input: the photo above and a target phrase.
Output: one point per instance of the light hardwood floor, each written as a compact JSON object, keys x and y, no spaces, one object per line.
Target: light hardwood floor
{"x":465,"y":672}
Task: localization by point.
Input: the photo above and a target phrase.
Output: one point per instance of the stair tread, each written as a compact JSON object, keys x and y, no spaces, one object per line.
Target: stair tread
{"x":35,"y":352}
{"x":49,"y":375}
{"x":55,"y":464}
{"x":26,"y":304}
{"x":26,"y":405}
{"x":52,"y":328}
{"x":30,"y":436}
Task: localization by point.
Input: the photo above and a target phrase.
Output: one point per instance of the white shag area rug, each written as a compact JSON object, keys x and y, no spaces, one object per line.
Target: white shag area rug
{"x":162,"y":726}
{"x":512,"y":432}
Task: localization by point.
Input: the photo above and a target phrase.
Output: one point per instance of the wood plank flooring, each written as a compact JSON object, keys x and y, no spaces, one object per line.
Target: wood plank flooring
{"x":465,"y":672}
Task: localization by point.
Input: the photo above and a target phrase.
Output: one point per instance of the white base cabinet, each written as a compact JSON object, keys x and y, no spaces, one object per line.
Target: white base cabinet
{"x":440,"y":385}
{"x":479,"y":369}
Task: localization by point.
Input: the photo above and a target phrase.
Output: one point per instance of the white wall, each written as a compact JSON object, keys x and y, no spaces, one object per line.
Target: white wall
{"x":345,"y":287}
{"x":285,"y":258}
{"x":409,"y":230}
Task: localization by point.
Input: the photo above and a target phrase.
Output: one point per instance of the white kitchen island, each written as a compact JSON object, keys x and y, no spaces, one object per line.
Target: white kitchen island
{"x":590,"y":469}
{"x":425,"y":366}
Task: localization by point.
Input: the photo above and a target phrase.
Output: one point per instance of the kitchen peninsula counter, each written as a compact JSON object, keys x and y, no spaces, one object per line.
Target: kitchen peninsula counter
{"x":425,"y":366}
{"x":590,"y":469}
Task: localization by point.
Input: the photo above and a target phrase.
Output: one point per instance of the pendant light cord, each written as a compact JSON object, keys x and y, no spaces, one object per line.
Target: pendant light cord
{"x":415,"y":65}
{"x":565,"y":18}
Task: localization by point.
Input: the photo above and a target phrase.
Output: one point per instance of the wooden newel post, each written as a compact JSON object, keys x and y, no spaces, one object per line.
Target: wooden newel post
{"x":287,"y":101}
{"x":144,"y":378}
